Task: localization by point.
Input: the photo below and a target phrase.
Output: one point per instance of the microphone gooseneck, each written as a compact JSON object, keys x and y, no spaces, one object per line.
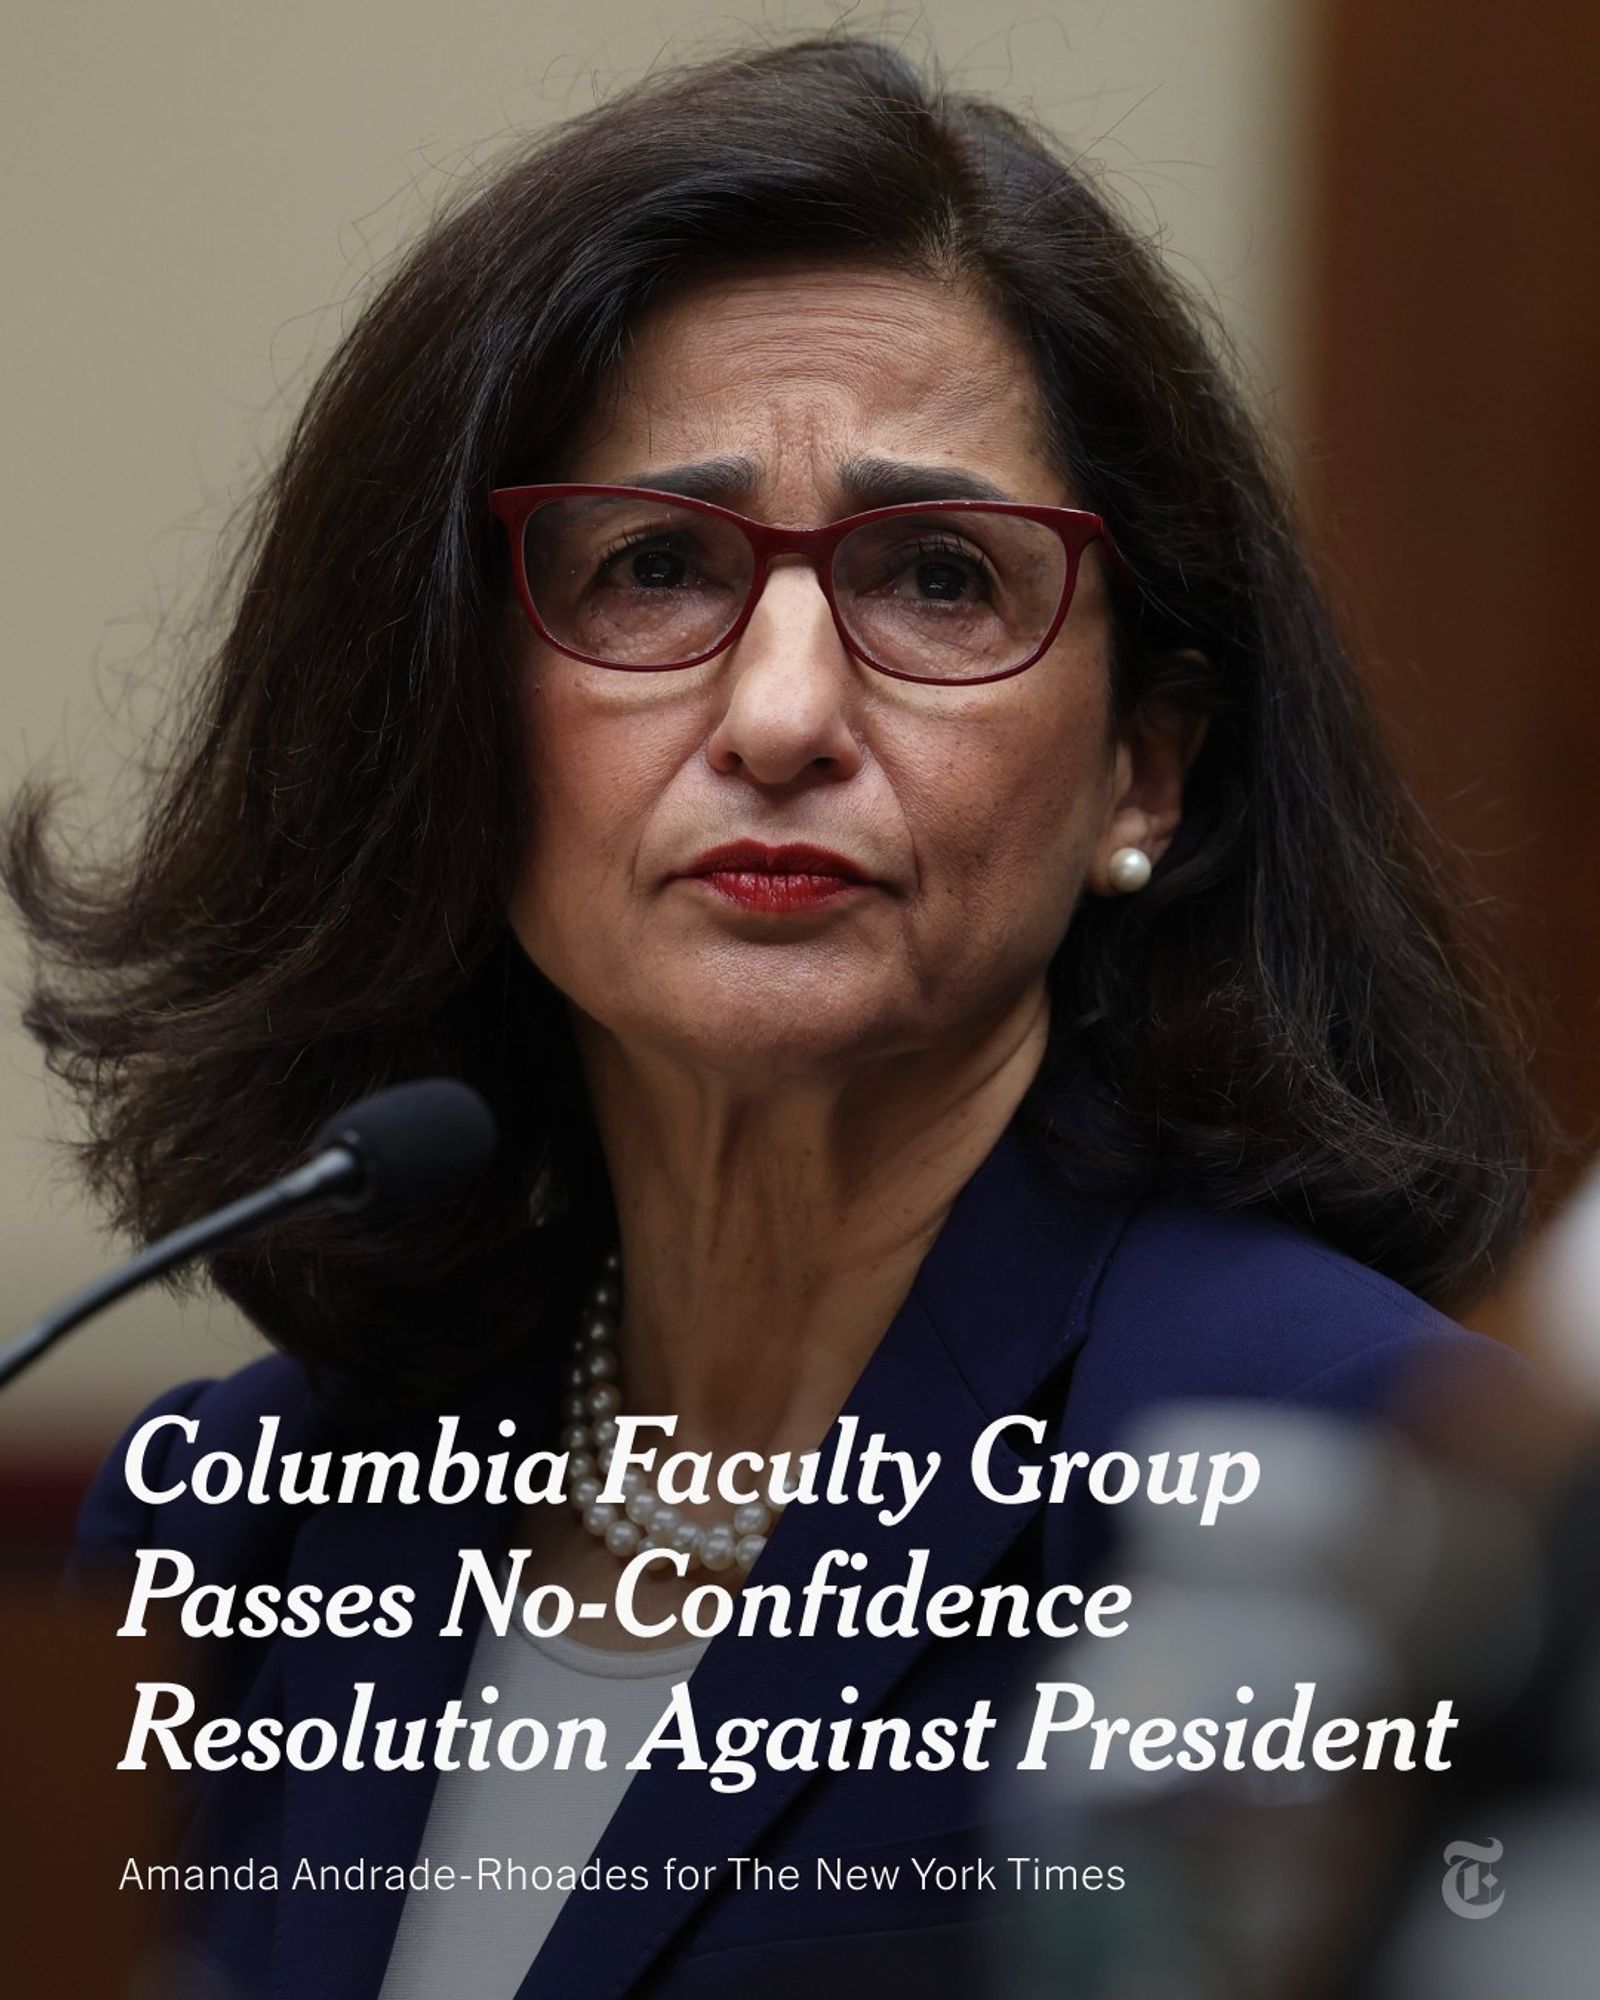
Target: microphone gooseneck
{"x":399,"y":1150}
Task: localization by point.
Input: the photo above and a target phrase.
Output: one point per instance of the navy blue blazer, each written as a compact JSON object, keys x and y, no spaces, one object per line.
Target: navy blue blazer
{"x":1081,"y":1307}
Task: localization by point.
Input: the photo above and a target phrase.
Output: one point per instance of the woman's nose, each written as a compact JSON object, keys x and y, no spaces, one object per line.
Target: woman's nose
{"x":791,"y":688}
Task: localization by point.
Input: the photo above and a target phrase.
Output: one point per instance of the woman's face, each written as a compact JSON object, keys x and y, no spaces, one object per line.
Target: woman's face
{"x":975,"y":814}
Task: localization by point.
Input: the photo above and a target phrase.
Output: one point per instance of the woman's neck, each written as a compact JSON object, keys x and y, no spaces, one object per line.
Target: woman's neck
{"x":769,"y":1236}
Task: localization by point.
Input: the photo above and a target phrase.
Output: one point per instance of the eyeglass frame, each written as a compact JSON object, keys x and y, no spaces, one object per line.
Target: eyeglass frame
{"x":1075,"y":527}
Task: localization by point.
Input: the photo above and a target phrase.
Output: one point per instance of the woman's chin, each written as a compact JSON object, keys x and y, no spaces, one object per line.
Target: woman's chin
{"x":768,"y":1038}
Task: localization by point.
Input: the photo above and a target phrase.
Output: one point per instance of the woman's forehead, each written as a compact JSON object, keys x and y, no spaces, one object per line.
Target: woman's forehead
{"x":867,"y":380}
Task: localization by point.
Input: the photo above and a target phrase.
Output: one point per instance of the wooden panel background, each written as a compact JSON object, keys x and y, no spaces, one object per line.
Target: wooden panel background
{"x":1453,"y":344}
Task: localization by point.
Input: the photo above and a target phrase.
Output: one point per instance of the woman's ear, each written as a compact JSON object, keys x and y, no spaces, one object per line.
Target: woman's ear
{"x":1155,"y":751}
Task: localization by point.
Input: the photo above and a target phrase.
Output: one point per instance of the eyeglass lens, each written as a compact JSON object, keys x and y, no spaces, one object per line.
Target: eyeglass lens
{"x":639,"y":582}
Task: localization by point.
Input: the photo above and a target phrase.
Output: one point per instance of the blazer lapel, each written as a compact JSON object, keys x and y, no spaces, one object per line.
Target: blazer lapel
{"x":998,"y":1306}
{"x":334,"y":1941}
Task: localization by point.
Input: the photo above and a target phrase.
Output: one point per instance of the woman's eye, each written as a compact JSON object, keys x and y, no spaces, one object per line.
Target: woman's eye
{"x":945,"y":581}
{"x":945,"y":575}
{"x":656,"y":569}
{"x":643,"y":565}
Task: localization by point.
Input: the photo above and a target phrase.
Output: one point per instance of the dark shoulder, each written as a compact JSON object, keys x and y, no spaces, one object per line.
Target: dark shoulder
{"x":1206,"y":1302}
{"x":165,"y":1440}
{"x":1196,"y":1305}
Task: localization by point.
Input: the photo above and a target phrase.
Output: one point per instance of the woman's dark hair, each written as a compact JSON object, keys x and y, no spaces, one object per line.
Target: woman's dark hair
{"x":315,"y":904}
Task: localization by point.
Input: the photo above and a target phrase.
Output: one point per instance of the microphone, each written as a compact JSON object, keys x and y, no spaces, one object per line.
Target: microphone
{"x":401,"y":1149}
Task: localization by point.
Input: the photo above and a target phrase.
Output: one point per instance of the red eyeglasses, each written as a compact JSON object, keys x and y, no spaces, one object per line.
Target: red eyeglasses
{"x":942,"y":591}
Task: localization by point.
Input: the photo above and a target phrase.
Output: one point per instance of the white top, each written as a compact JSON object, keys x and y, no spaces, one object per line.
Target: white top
{"x":492,"y":1925}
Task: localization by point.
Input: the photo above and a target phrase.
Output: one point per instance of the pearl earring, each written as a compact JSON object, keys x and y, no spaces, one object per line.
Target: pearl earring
{"x":1129,"y":869}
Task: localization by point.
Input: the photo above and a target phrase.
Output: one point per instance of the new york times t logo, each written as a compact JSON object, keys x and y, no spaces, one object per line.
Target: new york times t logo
{"x":1469,"y":1887}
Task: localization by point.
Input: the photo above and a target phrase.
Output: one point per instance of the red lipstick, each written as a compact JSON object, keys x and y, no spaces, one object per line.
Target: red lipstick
{"x":777,"y":880}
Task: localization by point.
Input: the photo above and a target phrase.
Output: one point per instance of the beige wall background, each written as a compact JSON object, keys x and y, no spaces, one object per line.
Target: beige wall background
{"x":198,"y":196}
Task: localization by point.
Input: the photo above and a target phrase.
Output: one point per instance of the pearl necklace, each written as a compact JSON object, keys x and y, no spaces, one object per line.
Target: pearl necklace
{"x":644,"y":1520}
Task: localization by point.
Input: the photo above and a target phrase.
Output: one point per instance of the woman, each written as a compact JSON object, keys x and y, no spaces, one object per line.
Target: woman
{"x":965,"y":960}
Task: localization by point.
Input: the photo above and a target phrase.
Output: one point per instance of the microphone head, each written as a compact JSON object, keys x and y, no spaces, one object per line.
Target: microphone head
{"x":417,"y":1143}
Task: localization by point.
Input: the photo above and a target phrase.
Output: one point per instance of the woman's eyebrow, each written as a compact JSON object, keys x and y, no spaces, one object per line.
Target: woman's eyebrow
{"x":721,"y":480}
{"x":893,"y":482}
{"x":864,"y":481}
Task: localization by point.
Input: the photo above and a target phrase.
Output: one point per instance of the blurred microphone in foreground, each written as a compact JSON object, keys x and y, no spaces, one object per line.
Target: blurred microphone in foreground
{"x":1452,"y":1553}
